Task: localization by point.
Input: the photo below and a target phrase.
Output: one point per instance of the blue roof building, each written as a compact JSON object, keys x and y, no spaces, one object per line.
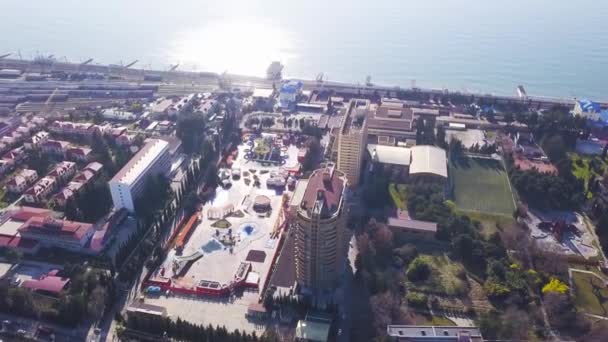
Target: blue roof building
{"x":586,"y":106}
{"x":288,"y":95}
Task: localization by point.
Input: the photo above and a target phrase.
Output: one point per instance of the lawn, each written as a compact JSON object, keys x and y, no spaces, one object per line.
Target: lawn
{"x":588,"y":299}
{"x":482,"y":185}
{"x":398,"y":194}
{"x":490,"y":223}
{"x":447,"y":277}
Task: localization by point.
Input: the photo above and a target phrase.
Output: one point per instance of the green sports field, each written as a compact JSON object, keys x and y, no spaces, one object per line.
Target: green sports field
{"x":481,"y":185}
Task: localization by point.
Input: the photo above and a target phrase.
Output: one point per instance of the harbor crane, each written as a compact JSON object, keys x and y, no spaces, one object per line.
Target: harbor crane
{"x":173,"y":67}
{"x":5,"y":55}
{"x":86,"y":62}
{"x":131,"y":64}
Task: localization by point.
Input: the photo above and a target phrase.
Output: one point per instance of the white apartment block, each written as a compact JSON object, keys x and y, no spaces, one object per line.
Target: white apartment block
{"x":153,"y":159}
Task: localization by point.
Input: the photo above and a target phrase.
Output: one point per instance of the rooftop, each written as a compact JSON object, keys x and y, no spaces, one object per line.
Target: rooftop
{"x":140,"y":161}
{"x":393,"y":155}
{"x":431,"y":333}
{"x":49,"y":283}
{"x":412,"y":224}
{"x":59,"y":228}
{"x":428,"y":159}
{"x":588,"y":106}
{"x":356,"y":115}
{"x":326,"y":186}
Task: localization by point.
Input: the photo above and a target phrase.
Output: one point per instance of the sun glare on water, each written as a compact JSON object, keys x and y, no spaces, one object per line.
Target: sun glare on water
{"x":238,"y":46}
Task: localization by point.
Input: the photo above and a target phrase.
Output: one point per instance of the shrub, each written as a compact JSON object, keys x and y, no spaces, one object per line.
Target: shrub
{"x":417,"y":299}
{"x":419,"y":270}
{"x":555,"y":286}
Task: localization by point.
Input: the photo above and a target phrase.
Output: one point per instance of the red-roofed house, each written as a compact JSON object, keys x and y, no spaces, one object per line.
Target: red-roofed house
{"x":56,"y":147}
{"x":79,"y":153}
{"x":52,"y":232}
{"x":15,"y":155}
{"x":63,"y":171}
{"x":47,"y":284}
{"x":40,"y":190}
{"x":21,"y":181}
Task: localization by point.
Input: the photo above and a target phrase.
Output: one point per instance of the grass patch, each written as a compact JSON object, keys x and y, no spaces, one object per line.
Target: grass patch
{"x":590,"y":294}
{"x":490,"y":223}
{"x":398,"y":193}
{"x":426,"y":319}
{"x":482,"y":185}
{"x":447,"y":277}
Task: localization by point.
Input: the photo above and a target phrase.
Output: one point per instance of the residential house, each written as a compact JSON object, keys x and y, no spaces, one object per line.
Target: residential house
{"x":165,"y":126}
{"x":78,"y":153}
{"x":55,"y":147}
{"x":64,"y":195}
{"x":6,"y":165}
{"x":16,"y":155}
{"x":63,"y":171}
{"x":117,"y":131}
{"x":125,"y":139}
{"x":21,"y":181}
{"x":36,"y":140}
{"x":40,"y":190}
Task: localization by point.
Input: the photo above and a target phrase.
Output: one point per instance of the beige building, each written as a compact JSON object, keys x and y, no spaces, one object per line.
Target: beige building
{"x":319,"y":216}
{"x":352,"y":140}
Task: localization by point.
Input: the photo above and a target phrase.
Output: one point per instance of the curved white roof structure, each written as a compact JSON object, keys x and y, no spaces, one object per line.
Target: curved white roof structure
{"x":428,"y":159}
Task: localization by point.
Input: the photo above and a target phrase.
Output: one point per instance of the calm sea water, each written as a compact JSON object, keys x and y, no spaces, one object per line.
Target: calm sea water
{"x":555,"y":48}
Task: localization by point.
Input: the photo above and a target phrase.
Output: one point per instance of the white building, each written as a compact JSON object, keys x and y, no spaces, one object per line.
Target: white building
{"x":118,"y":114}
{"x":153,"y":159}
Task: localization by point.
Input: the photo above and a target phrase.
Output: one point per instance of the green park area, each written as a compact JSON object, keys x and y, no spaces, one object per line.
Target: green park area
{"x":590,"y":293}
{"x":584,"y":168}
{"x":443,"y":276}
{"x":481,"y":185}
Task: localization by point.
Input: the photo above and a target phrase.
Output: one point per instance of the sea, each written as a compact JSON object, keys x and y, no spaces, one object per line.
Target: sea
{"x":554,"y":48}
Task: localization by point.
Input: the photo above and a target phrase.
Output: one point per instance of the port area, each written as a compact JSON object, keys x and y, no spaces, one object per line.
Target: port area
{"x":218,"y":264}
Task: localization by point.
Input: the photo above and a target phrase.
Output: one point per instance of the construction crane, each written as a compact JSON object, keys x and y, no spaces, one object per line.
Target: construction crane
{"x":49,"y":104}
{"x":131,"y":64}
{"x":173,"y":67}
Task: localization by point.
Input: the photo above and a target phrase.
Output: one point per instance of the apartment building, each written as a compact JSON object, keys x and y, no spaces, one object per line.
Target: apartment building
{"x":352,"y":140}
{"x":319,"y":216}
{"x":153,"y":159}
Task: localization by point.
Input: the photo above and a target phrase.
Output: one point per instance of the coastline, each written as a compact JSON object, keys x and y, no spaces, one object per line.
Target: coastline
{"x":246,"y":81}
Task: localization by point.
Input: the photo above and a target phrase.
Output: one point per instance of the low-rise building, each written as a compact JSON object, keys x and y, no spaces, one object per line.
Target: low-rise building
{"x":16,"y":155}
{"x":118,"y":114}
{"x":63,"y":171}
{"x":52,"y":232}
{"x":55,"y":147}
{"x":36,"y":140}
{"x":80,"y":154}
{"x":40,"y":190}
{"x":21,"y":181}
{"x":6,"y":165}
{"x":587,"y":109}
{"x":421,"y":333}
